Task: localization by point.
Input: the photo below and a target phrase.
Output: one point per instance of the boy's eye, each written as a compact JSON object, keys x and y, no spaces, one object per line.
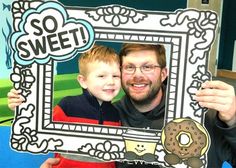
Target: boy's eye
{"x":116,"y":76}
{"x":100,"y":76}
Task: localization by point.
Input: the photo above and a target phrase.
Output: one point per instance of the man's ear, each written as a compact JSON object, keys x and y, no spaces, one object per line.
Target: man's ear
{"x":82,"y":81}
{"x":164,"y":74}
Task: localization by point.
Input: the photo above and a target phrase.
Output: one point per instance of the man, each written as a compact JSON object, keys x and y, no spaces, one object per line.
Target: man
{"x":143,"y":70}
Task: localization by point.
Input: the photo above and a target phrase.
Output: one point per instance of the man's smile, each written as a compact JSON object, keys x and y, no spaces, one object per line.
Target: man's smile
{"x":138,"y":87}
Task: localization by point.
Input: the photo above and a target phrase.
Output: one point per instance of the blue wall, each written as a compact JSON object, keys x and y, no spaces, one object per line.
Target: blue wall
{"x":10,"y":158}
{"x":6,"y":63}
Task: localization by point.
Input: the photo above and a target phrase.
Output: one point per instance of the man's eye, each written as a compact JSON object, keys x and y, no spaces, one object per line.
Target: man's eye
{"x":129,"y":67}
{"x":147,"y":67}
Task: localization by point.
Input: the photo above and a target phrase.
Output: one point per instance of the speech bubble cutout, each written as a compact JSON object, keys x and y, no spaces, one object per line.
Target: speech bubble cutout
{"x":47,"y":33}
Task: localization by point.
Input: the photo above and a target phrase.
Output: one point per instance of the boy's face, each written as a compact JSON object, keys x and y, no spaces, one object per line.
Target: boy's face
{"x":102,"y":80}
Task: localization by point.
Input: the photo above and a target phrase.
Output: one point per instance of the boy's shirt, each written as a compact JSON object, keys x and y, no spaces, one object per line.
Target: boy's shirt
{"x":85,"y":109}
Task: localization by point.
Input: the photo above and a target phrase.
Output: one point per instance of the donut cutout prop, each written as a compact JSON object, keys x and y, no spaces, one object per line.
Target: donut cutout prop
{"x":185,"y":140}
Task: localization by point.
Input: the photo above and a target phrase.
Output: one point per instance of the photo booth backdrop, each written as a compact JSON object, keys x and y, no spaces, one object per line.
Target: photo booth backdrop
{"x":65,"y":80}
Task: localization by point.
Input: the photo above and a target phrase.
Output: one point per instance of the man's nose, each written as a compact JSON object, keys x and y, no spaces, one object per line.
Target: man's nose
{"x":138,"y":72}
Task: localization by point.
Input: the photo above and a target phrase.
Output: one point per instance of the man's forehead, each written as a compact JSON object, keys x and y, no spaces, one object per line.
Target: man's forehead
{"x":143,"y":53}
{"x":142,"y":57}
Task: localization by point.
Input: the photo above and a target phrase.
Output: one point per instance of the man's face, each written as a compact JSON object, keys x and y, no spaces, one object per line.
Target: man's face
{"x":142,"y":87}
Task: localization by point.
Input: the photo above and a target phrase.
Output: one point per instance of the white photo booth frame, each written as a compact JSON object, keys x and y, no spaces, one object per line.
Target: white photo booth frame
{"x":189,"y":32}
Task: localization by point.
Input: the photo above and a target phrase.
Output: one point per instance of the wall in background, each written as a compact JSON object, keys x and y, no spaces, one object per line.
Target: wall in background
{"x":161,"y":5}
{"x":6,"y":62}
{"x":228,"y":35}
{"x":234,"y":58}
{"x":216,"y":6}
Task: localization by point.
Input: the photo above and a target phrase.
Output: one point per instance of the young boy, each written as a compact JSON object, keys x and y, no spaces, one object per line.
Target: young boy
{"x":99,"y":77}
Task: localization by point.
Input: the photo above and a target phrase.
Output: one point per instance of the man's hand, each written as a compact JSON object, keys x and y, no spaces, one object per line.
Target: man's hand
{"x":14,"y":99}
{"x":219,"y":96}
{"x":50,"y":162}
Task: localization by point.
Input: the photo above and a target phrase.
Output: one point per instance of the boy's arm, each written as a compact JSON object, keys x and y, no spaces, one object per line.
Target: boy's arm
{"x":14,"y":99}
{"x":50,"y":162}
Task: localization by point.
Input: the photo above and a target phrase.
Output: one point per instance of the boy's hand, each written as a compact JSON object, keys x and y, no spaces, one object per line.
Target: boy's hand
{"x":14,"y":99}
{"x":219,"y":96}
{"x":50,"y":162}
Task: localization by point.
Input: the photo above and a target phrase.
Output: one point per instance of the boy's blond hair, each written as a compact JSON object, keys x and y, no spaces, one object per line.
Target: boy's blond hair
{"x":98,"y":53}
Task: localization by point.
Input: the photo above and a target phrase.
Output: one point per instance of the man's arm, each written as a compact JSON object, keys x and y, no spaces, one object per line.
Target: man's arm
{"x":219,"y":96}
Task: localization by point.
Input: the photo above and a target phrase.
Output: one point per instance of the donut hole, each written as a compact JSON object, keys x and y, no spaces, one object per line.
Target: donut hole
{"x":184,"y":139}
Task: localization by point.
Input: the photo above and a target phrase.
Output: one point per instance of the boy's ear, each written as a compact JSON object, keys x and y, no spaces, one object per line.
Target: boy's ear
{"x":82,"y":81}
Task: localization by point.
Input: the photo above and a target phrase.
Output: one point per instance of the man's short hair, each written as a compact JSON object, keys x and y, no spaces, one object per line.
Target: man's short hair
{"x":98,"y":53}
{"x":158,"y":48}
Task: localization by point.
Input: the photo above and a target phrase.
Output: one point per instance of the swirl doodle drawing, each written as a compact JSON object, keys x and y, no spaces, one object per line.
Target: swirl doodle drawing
{"x":26,"y":139}
{"x":200,"y":76}
{"x":200,"y":24}
{"x":23,"y":79}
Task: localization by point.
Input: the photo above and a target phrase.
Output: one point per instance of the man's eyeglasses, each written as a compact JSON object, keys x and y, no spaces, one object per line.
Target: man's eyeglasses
{"x":145,"y":69}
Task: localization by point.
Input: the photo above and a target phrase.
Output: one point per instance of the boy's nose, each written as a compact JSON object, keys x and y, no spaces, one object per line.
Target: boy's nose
{"x":111,"y":80}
